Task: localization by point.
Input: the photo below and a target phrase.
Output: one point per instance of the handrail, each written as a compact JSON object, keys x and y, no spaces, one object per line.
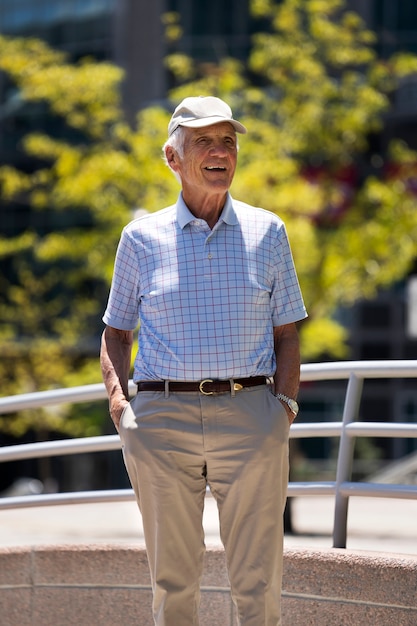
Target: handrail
{"x":42,"y":449}
{"x":347,"y":430}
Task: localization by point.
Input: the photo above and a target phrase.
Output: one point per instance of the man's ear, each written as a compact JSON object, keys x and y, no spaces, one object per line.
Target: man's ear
{"x":171,"y":156}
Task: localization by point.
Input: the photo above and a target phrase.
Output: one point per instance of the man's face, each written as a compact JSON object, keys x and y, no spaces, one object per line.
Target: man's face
{"x":209,"y":161}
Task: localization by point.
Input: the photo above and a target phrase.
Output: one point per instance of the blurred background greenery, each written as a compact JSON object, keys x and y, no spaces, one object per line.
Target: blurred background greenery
{"x":314,"y":87}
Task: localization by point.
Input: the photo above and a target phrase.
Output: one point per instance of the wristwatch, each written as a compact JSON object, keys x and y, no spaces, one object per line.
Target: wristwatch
{"x":294,"y":408}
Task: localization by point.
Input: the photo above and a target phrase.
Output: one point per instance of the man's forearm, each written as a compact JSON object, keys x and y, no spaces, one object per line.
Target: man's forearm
{"x":115,"y":354}
{"x":287,"y":352}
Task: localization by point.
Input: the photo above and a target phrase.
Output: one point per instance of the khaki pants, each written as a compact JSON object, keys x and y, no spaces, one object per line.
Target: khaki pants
{"x":176,"y":443}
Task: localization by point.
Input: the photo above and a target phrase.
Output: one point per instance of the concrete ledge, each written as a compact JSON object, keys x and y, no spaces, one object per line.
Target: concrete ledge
{"x":342,"y":587}
{"x":86,"y":585}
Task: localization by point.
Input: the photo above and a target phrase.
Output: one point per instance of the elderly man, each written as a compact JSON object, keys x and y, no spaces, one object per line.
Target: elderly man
{"x":212,"y":282}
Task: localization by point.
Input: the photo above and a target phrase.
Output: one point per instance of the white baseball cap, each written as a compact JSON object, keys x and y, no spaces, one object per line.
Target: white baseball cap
{"x":200,"y":111}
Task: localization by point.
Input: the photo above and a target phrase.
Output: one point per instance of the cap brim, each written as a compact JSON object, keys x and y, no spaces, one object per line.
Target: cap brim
{"x":209,"y":121}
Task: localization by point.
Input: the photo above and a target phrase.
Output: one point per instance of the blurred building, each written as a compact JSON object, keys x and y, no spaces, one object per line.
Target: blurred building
{"x":131,"y":33}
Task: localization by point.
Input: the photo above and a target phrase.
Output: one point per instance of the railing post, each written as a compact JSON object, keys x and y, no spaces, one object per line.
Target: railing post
{"x":345,"y":459}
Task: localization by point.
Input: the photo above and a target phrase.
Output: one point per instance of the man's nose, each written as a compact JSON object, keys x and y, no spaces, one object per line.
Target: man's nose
{"x":217,"y":148}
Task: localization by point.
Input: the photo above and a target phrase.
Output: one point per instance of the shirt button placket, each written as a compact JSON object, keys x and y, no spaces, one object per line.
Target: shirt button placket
{"x":208,"y":252}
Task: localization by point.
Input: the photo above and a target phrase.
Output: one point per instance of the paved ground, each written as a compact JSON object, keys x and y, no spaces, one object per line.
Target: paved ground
{"x":376,"y":524}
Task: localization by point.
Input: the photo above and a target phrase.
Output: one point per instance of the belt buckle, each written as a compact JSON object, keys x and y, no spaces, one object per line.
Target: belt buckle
{"x":206,"y":393}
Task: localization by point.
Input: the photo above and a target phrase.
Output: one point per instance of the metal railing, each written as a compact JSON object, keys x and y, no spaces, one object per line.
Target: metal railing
{"x":355,"y":372}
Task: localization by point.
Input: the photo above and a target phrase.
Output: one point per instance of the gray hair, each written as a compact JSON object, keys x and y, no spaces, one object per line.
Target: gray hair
{"x":175,"y":141}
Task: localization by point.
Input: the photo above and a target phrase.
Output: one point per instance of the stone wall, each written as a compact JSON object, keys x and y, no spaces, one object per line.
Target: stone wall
{"x":106,"y":585}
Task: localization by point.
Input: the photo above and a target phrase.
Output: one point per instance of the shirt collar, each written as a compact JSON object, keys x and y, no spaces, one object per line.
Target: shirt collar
{"x":184,"y":215}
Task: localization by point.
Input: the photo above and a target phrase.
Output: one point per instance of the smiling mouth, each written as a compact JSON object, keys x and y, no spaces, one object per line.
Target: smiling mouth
{"x":215,"y":168}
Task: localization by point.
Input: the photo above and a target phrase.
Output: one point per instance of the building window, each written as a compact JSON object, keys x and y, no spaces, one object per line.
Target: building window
{"x":395,"y":24}
{"x":214,"y":30}
{"x":375,"y":315}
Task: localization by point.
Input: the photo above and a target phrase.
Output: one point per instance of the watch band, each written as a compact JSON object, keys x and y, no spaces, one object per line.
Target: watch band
{"x":292,"y":404}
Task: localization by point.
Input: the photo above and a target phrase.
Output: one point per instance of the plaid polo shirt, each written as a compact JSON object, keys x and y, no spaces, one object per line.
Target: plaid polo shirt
{"x":206,"y":300}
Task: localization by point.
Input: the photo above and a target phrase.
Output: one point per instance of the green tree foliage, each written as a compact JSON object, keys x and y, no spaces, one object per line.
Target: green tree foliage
{"x":314,"y":94}
{"x":88,"y":180}
{"x":311,"y":94}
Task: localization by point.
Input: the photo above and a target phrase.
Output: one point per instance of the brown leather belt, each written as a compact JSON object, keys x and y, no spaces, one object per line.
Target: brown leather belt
{"x":206,"y":387}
